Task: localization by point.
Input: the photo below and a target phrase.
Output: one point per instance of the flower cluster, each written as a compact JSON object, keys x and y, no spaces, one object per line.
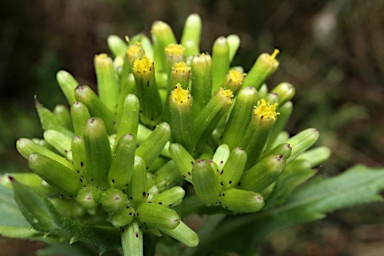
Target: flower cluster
{"x":166,"y":117}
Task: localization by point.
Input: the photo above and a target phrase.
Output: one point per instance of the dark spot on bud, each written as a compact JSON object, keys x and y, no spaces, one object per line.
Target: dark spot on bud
{"x":81,"y":164}
{"x":137,"y":235}
{"x":151,"y":119}
{"x":92,"y":120}
{"x":193,"y":163}
{"x":130,"y":198}
{"x":144,"y":194}
{"x":221,"y":162}
{"x":65,"y":151}
{"x":259,"y":198}
{"x":70,"y":196}
{"x":78,"y":171}
{"x":141,"y":110}
{"x":130,"y":214}
{"x":11,"y":178}
{"x":184,"y":176}
{"x":230,"y":182}
{"x":160,"y":203}
{"x":81,"y":180}
{"x":238,"y":184}
{"x":127,"y":207}
{"x":221,"y":172}
{"x":113,"y":181}
{"x":221,"y":183}
{"x":91,"y":179}
{"x":189,"y":173}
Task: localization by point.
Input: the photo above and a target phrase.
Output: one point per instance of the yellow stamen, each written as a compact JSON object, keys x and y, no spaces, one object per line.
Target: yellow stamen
{"x":265,"y":110}
{"x":180,"y":95}
{"x":235,"y":77}
{"x":174,"y":49}
{"x":181,"y":67}
{"x":143,"y":66}
{"x":274,"y":54}
{"x":226,"y":93}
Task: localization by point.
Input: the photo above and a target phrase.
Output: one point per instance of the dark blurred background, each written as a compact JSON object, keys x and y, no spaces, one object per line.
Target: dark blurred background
{"x":331,"y":50}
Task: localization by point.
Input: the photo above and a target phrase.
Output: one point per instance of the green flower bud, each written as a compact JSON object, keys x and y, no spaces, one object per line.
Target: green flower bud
{"x":157,"y":164}
{"x":162,"y":36}
{"x":150,"y":103}
{"x":240,"y":117}
{"x":113,"y":200}
{"x":120,"y":171}
{"x":283,"y":149}
{"x":80,"y":115}
{"x":98,"y":151}
{"x":201,"y":81}
{"x":183,"y":234}
{"x":166,"y":175}
{"x":96,"y":107}
{"x":49,"y":121}
{"x":67,"y":84}
{"x":123,"y":217}
{"x":79,"y":157}
{"x":315,"y":156}
{"x":183,"y":160}
{"x":138,"y":187}
{"x":150,"y":149}
{"x":88,"y":197}
{"x":27,"y":178}
{"x":242,"y":201}
{"x":286,"y":91}
{"x":263,"y":68}
{"x":26,"y":147}
{"x":206,"y":182}
{"x":58,"y":140}
{"x":263,"y":174}
{"x":107,"y":85}
{"x":221,"y":156}
{"x":129,"y":121}
{"x":56,"y":174}
{"x":220,"y":63}
{"x":170,"y":197}
{"x":157,"y":215}
{"x":132,"y":240}
{"x":285,"y":113}
{"x":207,"y":119}
{"x":301,"y":142}
{"x":180,"y":103}
{"x":233,"y":168}
{"x":233,"y":43}
{"x":116,"y":45}
{"x":174,"y":53}
{"x":127,"y":86}
{"x":191,"y":35}
{"x":146,"y":44}
{"x":61,"y":112}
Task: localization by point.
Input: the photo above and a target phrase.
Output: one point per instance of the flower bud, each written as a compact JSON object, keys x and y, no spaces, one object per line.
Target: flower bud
{"x":107,"y":85}
{"x":132,"y":240}
{"x":263,"y":174}
{"x":190,"y":38}
{"x":96,"y":107}
{"x":113,"y":200}
{"x":59,"y":141}
{"x":67,"y":84}
{"x":61,"y":112}
{"x":242,"y":201}
{"x":201,"y":81}
{"x":162,"y":36}
{"x":233,"y":43}
{"x":98,"y":151}
{"x":301,"y":142}
{"x":285,"y":113}
{"x":263,"y":68}
{"x":206,"y":182}
{"x":166,"y":175}
{"x":183,"y":234}
{"x":221,"y":156}
{"x":157,"y":215}
{"x":138,"y":186}
{"x":233,"y":168}
{"x":123,"y":217}
{"x":315,"y":156}
{"x":220,"y":63}
{"x":79,"y":115}
{"x":129,"y":121}
{"x":88,"y":197}
{"x":170,"y":197}
{"x":183,"y":160}
{"x":286,"y":91}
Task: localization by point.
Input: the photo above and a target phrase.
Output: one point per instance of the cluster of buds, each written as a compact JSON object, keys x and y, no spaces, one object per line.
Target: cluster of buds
{"x":164,"y":114}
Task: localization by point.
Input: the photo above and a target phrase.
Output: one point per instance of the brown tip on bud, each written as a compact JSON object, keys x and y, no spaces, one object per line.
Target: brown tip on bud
{"x":239,"y":148}
{"x":37,"y":102}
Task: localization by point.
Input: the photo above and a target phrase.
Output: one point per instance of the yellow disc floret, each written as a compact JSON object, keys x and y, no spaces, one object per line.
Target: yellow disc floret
{"x":135,"y":51}
{"x":102,"y":60}
{"x":235,"y":77}
{"x":180,"y":96}
{"x":143,"y":66}
{"x":181,"y":67}
{"x":265,"y":110}
{"x":226,"y":93}
{"x":174,"y":50}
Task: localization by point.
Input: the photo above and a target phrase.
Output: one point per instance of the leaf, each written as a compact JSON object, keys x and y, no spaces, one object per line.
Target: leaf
{"x":358,"y":185}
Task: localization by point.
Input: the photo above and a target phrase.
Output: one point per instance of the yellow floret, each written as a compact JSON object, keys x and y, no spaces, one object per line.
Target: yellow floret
{"x":135,"y":50}
{"x":180,"y":95}
{"x":181,"y":67}
{"x":174,"y":49}
{"x":265,"y":110}
{"x":143,"y":66}
{"x":235,"y":77}
{"x":226,"y":93}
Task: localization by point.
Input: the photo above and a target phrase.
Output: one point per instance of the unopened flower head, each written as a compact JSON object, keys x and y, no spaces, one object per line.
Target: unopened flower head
{"x":135,"y":51}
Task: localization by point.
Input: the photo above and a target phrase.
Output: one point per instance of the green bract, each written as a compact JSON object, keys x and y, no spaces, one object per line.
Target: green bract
{"x":166,"y":118}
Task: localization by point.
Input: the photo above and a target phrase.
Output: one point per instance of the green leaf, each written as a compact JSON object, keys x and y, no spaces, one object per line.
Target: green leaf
{"x":358,"y":185}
